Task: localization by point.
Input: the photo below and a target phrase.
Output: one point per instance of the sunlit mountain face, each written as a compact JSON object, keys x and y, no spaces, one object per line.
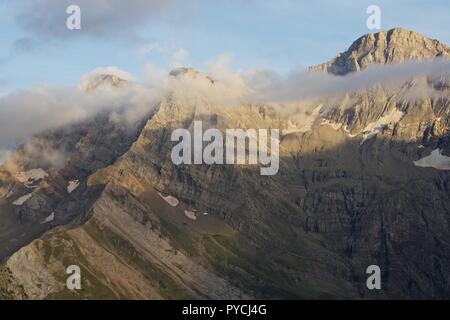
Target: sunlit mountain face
{"x":328,"y":182}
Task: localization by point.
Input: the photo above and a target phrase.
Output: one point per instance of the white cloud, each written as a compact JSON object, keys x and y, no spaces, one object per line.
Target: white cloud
{"x":268,"y":86}
{"x":147,"y":48}
{"x":86,"y":80}
{"x":4,"y":155}
{"x":180,"y":55}
{"x":29,"y":112}
{"x":155,"y":76}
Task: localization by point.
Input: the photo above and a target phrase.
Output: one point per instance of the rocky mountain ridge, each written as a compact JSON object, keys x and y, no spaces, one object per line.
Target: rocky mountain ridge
{"x":386,"y":47}
{"x":348,"y":195}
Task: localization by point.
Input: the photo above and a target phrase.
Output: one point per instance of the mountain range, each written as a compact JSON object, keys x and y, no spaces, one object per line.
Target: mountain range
{"x":363,"y":180}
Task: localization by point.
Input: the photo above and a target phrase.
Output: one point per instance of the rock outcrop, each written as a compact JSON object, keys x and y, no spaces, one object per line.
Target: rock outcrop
{"x":387,"y":47}
{"x":348,"y":195}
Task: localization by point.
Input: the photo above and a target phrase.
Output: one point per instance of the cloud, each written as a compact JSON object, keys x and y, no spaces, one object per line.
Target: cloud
{"x":181,"y":55}
{"x":217,"y":84}
{"x":174,"y":57}
{"x":41,"y":152}
{"x":268,"y":86}
{"x":88,"y":80}
{"x":155,"y":76}
{"x":28,"y":112}
{"x":147,"y":48}
{"x":4,"y":155}
{"x":47,"y":18}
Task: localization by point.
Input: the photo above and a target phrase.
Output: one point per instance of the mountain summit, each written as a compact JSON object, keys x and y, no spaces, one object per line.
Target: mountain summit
{"x":363,"y":180}
{"x":189,"y":72}
{"x":387,"y":47}
{"x":104,"y":77}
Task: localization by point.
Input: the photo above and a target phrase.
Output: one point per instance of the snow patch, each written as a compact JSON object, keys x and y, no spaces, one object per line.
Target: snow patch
{"x":304,"y":124}
{"x":190,"y":214}
{"x":372,"y":129}
{"x":172,"y":201}
{"x":31,"y":178}
{"x":335,"y":126}
{"x":435,"y":160}
{"x":22,"y":199}
{"x":50,"y":218}
{"x":72,"y":186}
{"x":369,"y":136}
{"x":347,"y":130}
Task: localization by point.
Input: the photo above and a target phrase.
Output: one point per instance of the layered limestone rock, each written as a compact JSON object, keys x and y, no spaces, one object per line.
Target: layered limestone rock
{"x":347,"y":195}
{"x":387,"y":47}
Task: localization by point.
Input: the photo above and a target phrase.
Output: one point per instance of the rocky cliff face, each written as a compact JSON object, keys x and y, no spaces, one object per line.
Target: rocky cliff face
{"x":386,"y":47}
{"x":348,"y":195}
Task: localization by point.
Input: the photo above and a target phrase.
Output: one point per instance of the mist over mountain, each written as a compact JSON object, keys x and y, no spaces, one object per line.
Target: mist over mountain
{"x":363,"y":180}
{"x":409,"y":56}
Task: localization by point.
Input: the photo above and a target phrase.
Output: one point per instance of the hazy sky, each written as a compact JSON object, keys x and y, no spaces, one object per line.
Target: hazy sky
{"x":36,"y":47}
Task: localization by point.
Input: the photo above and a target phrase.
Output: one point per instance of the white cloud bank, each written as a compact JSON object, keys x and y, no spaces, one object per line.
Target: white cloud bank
{"x":26,"y":113}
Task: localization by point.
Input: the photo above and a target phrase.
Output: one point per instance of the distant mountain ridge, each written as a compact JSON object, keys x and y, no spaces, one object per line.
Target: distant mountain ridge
{"x":397,"y":45}
{"x":108,"y":77}
{"x":351,"y":192}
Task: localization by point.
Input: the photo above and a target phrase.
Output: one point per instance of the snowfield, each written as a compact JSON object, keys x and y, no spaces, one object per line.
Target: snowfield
{"x":304,"y":124}
{"x":31,"y":177}
{"x":22,"y":199}
{"x":72,"y":186}
{"x":372,"y":129}
{"x":50,"y":218}
{"x":172,"y":201}
{"x":435,"y":160}
{"x":190,"y":214}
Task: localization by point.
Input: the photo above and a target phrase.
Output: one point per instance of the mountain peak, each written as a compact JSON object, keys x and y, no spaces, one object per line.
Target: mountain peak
{"x":190,"y":72}
{"x":397,"y":45}
{"x":109,"y":76}
{"x":184,"y":70}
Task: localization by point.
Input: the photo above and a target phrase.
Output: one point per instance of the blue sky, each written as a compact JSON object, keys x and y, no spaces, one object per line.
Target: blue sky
{"x":282,"y":35}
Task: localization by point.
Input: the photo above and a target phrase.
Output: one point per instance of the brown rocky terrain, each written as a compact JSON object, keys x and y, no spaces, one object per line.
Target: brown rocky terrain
{"x":348,"y":195}
{"x":387,"y":47}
